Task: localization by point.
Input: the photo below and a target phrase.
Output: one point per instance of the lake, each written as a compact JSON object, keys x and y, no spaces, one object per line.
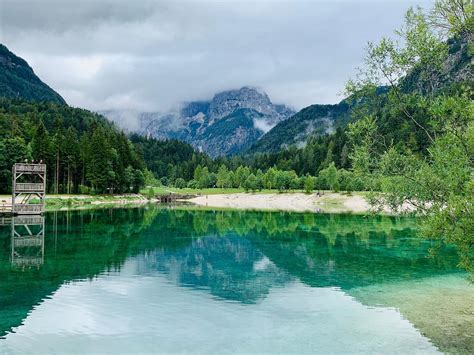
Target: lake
{"x":152,"y":279}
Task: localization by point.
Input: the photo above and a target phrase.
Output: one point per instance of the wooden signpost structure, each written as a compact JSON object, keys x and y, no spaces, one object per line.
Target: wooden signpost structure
{"x":23,"y":192}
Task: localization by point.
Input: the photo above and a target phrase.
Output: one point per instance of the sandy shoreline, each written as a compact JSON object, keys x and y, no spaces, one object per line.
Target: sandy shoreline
{"x":293,"y":202}
{"x":296,"y":202}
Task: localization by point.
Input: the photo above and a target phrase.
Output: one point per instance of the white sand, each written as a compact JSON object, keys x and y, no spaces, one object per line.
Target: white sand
{"x":299,"y":202}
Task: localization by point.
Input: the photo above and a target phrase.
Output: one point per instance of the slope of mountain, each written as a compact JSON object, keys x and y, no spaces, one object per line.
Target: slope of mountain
{"x":457,"y":68}
{"x":229,"y":123}
{"x":17,"y":80}
{"x":312,"y":120}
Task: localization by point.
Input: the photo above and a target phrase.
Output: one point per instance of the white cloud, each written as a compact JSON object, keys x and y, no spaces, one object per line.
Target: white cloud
{"x":151,"y":55}
{"x":262,"y":125}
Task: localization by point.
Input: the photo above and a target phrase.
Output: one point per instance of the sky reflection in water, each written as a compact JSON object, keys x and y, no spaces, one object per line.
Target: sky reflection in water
{"x":154,"y":279}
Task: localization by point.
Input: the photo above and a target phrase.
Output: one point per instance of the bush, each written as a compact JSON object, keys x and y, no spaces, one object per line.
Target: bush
{"x":180,"y":183}
{"x":85,"y":190}
{"x":164,"y":181}
{"x":192,"y":184}
{"x":150,"y":179}
{"x":150,"y":193}
{"x":296,"y":183}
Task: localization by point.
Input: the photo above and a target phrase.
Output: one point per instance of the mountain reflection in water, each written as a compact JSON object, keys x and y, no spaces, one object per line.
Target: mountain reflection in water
{"x":234,"y":255}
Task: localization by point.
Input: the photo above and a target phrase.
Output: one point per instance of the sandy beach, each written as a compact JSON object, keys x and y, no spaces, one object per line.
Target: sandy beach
{"x":297,"y":202}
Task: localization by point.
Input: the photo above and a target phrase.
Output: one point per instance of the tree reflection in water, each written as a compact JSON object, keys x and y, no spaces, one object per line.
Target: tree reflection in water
{"x":235,"y":255}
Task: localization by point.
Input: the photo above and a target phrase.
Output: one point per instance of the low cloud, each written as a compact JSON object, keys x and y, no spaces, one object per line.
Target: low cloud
{"x":262,"y":125}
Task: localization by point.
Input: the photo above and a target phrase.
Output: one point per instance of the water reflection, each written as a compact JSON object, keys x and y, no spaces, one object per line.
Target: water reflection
{"x":27,"y":241}
{"x":229,"y":267}
{"x":232,"y":255}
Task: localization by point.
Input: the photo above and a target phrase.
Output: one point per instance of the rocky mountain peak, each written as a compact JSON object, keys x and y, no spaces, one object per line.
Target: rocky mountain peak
{"x":226,"y":102}
{"x":226,"y":124}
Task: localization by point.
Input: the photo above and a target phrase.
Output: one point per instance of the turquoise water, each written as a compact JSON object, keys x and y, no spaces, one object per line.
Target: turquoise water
{"x":147,"y":280}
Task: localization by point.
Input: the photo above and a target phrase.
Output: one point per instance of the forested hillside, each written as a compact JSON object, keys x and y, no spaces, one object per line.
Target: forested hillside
{"x":83,"y":151}
{"x":311,"y":121}
{"x":17,"y":80}
{"x":169,"y":160}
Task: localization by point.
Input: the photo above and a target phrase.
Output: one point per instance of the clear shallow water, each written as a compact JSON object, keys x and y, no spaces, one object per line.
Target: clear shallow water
{"x":164,"y":280}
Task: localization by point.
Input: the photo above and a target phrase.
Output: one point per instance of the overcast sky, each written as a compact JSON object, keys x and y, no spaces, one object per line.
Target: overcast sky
{"x":151,"y":55}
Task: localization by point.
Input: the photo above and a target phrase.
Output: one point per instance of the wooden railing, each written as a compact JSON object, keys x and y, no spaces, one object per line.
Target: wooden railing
{"x":28,"y":220}
{"x":27,"y":261}
{"x":5,"y":221}
{"x":29,"y":187}
{"x":19,"y":242}
{"x":28,"y":209}
{"x":5,"y":207}
{"x":30,"y":168}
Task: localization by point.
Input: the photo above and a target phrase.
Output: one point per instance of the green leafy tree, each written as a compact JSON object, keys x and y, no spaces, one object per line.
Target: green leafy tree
{"x":329,"y":177}
{"x":250,"y":183}
{"x":241,"y":175}
{"x":309,"y":183}
{"x":198,"y":173}
{"x":150,"y":179}
{"x":269,"y":179}
{"x":128,"y":178}
{"x":12,"y":150}
{"x":453,"y":17}
{"x":430,"y":171}
{"x":259,"y":176}
{"x":204,"y":178}
{"x":283,"y":180}
{"x":295,"y":182}
{"x":223,"y":178}
{"x":138,"y":180}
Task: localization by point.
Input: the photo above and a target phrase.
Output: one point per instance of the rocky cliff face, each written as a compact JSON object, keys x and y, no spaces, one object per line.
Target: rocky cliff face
{"x":229,"y":123}
{"x":17,"y":80}
{"x":457,"y":68}
{"x":227,"y":102}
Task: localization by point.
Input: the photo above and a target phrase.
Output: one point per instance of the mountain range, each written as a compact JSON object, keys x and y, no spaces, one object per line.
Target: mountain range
{"x":242,"y":120}
{"x":229,"y":123}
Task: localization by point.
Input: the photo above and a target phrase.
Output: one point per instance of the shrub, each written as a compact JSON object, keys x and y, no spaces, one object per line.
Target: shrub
{"x":180,"y":183}
{"x":192,"y":184}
